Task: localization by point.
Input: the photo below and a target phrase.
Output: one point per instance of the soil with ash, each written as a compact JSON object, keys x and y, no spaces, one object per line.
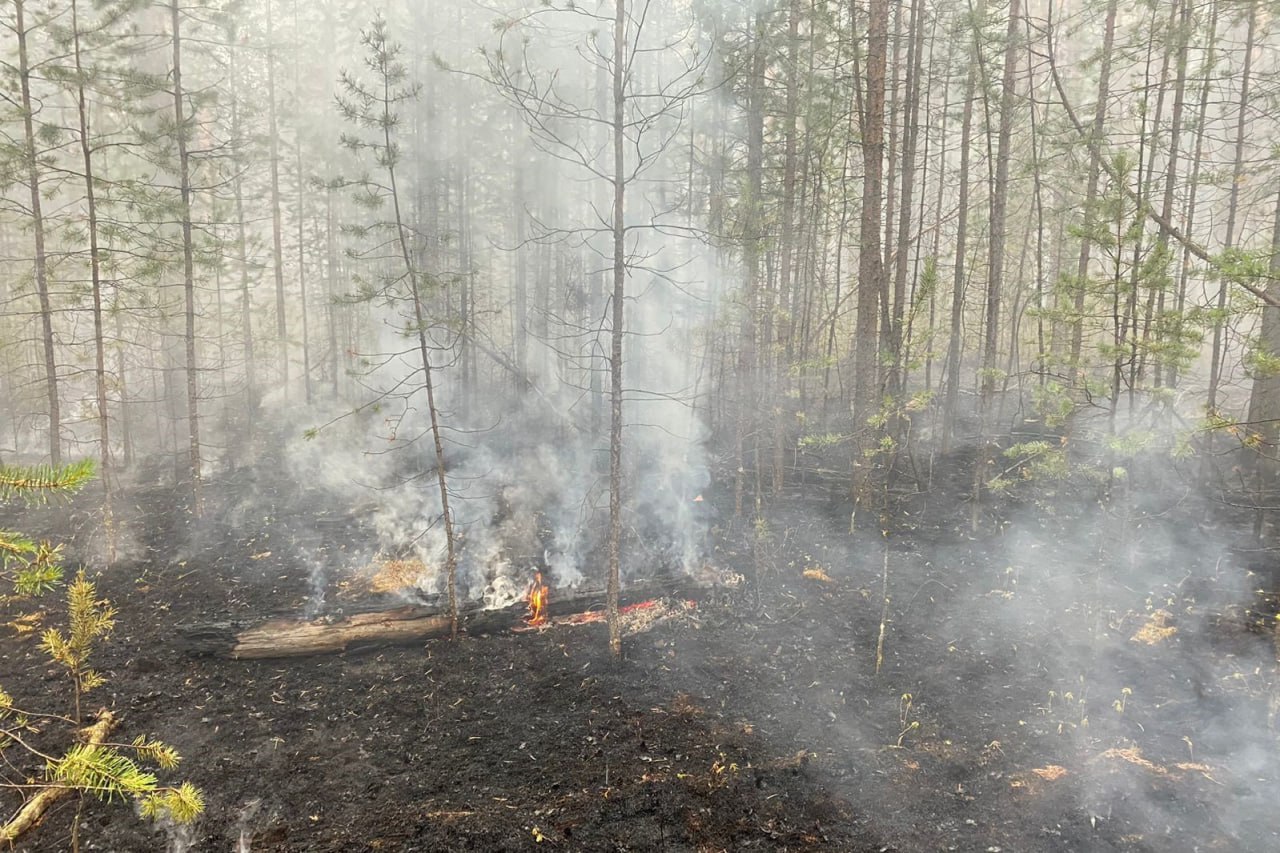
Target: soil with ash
{"x":1018,"y":705}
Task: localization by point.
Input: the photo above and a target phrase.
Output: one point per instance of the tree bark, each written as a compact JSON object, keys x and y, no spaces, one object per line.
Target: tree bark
{"x":955,"y":344}
{"x":1091,"y":186}
{"x":910,"y":134}
{"x":32,"y":163}
{"x":188,"y":268}
{"x":616,"y":329}
{"x":866,"y":368}
{"x":106,"y":472}
{"x":1233,"y":208}
{"x":277,"y":227}
{"x":1171,"y":171}
{"x":1264,"y":398}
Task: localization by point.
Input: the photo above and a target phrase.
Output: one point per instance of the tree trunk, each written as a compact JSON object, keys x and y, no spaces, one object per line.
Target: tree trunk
{"x":242,"y":252}
{"x":106,"y":472}
{"x":1091,"y":186}
{"x":1264,"y":398}
{"x":414,"y":276}
{"x":1184,"y":272}
{"x":277,"y":227}
{"x":870,"y":258}
{"x":786,"y":327}
{"x":188,"y":268}
{"x":301,"y":214}
{"x":1171,"y":172}
{"x":954,"y":345}
{"x":749,"y":373}
{"x":30,"y":156}
{"x":1233,"y":208}
{"x":1038,"y":203}
{"x":999,"y":206}
{"x":995,"y":259}
{"x":910,"y":134}
{"x":616,"y":329}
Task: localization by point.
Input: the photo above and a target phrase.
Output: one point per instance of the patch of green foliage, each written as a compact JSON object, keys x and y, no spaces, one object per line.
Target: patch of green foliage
{"x":108,"y":771}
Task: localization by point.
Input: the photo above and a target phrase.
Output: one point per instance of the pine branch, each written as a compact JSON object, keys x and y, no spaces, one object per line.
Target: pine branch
{"x":36,"y":483}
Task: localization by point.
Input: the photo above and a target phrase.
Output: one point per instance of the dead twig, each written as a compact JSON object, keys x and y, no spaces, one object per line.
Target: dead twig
{"x":34,"y":809}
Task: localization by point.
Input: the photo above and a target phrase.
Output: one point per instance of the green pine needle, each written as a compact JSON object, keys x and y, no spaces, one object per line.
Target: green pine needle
{"x":36,"y":483}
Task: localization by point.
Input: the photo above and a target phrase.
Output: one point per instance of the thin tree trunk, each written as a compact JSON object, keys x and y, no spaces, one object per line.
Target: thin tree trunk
{"x":995,"y":260}
{"x":420,"y":322}
{"x":786,"y":327}
{"x":301,"y":214}
{"x":910,"y":133}
{"x":242,"y":252}
{"x":331,"y":288}
{"x":1171,"y":171}
{"x":122,"y":381}
{"x":1091,"y":186}
{"x":616,"y":327}
{"x":302,"y":283}
{"x":188,"y":268}
{"x":999,"y":206}
{"x":748,"y":357}
{"x":1038,"y":203}
{"x":106,"y":473}
{"x":277,"y":227}
{"x":1233,"y":208}
{"x":1184,"y":273}
{"x":954,"y":346}
{"x":1264,"y":398}
{"x":32,"y":162}
{"x":870,"y":259}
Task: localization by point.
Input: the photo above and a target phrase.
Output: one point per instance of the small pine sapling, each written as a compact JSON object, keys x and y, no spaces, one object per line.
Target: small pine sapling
{"x":93,"y":765}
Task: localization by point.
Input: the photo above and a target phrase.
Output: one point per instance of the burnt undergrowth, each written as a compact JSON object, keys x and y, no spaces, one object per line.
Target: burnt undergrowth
{"x":1091,"y":668}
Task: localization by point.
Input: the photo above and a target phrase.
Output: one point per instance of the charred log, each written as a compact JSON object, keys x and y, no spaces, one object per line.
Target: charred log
{"x":299,"y":637}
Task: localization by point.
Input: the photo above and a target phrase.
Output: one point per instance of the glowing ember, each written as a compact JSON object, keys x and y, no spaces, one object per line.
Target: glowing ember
{"x":537,"y":598}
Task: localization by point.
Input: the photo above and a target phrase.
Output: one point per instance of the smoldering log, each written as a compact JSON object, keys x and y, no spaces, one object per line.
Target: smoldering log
{"x":289,"y":636}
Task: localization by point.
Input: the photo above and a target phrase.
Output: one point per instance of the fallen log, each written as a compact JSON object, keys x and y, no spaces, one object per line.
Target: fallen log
{"x":33,"y":810}
{"x":294,"y":637}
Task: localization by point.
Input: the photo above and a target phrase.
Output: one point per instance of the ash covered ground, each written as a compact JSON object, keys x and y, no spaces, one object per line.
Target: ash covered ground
{"x":1074,"y":678}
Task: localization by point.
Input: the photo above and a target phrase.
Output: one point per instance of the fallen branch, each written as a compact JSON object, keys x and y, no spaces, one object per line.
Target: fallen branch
{"x":34,"y":809}
{"x":289,"y":636}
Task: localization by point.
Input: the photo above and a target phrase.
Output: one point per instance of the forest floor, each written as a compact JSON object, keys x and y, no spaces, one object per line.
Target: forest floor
{"x":1042,"y":687}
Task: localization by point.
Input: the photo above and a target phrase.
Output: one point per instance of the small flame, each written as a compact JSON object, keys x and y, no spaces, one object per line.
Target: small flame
{"x":537,"y":598}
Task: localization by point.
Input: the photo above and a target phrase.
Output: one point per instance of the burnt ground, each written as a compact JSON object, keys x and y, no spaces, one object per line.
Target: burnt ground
{"x":1016,"y":707}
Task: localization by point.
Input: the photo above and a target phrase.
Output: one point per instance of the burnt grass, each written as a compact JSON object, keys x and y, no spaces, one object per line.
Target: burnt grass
{"x":1012,"y":711}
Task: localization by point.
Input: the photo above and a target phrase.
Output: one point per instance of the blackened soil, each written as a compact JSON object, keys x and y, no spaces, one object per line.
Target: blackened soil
{"x":1011,"y":709}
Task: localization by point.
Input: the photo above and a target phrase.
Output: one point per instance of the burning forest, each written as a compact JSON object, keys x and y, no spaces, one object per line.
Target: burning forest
{"x":639,"y":426}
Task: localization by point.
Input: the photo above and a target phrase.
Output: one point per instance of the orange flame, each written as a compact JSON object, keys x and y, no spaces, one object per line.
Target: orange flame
{"x":537,"y":598}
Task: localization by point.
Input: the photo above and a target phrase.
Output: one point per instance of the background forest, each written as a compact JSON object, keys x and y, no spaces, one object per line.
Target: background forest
{"x":880,"y":227}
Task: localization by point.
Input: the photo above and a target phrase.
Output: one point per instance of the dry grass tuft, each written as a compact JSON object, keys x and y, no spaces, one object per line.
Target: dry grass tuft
{"x":1051,"y":772}
{"x":395,"y":575}
{"x":1156,"y":630}
{"x":26,"y":624}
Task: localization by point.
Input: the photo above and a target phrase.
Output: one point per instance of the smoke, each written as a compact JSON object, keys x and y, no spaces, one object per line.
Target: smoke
{"x":527,"y":490}
{"x":527,"y":465}
{"x":524,"y":408}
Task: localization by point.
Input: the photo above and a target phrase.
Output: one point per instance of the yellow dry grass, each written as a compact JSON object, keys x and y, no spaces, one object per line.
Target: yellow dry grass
{"x":1156,"y":629}
{"x":26,"y":624}
{"x":395,"y":575}
{"x":1051,"y":772}
{"x":1133,"y":755}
